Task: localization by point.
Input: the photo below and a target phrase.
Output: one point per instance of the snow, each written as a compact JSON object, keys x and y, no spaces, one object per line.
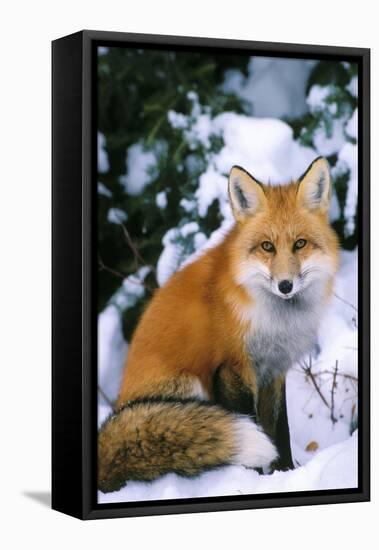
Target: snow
{"x":102,"y":156}
{"x":263,"y":146}
{"x":348,"y":162}
{"x":353,"y":86}
{"x":333,"y":468}
{"x":133,"y":287}
{"x":177,"y":120}
{"x":334,"y":210}
{"x":116,"y":215}
{"x":197,"y":127}
{"x":329,"y":143}
{"x":189,"y":228}
{"x":352,"y":125}
{"x":169,"y":260}
{"x":112,"y":350}
{"x":317,"y":97}
{"x":103,"y":190}
{"x":333,"y":136}
{"x":112,"y":347}
{"x":187,"y":205}
{"x":131,"y":290}
{"x":140,"y":164}
{"x":330,"y":134}
{"x":274,"y":87}
{"x":200,"y":131}
{"x":212,"y":186}
{"x":199,"y":240}
{"x":161,"y":200}
{"x":309,"y":417}
{"x":215,"y":238}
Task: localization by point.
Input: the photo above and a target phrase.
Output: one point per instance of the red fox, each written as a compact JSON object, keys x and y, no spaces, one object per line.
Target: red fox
{"x":204,"y":380}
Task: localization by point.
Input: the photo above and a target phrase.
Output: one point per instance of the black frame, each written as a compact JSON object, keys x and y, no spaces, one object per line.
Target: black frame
{"x":74,"y":395}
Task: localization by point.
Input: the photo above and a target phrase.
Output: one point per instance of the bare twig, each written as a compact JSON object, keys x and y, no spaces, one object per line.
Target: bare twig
{"x":134,"y":249}
{"x":345,"y":302}
{"x":332,"y":392}
{"x":318,"y":380}
{"x":103,"y":267}
{"x":342,"y":374}
{"x":308,"y":371}
{"x":106,"y":399}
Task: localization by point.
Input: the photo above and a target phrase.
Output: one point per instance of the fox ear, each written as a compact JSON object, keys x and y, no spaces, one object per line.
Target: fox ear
{"x":246,"y":194}
{"x":314,"y":189}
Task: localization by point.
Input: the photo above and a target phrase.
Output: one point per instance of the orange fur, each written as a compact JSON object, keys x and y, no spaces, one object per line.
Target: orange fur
{"x":199,"y":319}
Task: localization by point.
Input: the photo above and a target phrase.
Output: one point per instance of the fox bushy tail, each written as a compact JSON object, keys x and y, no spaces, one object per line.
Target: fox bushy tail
{"x":149,"y":438}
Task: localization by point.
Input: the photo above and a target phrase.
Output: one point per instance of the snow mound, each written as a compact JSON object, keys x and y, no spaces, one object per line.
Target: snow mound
{"x":102,"y":156}
{"x":263,"y":146}
{"x":140,"y":164}
{"x":274,"y":87}
{"x":333,"y":468}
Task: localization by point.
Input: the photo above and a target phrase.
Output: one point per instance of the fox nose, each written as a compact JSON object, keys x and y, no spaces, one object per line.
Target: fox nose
{"x":285,"y":286}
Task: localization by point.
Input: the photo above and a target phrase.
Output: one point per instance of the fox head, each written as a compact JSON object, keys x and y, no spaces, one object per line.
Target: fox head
{"x":285,"y":245}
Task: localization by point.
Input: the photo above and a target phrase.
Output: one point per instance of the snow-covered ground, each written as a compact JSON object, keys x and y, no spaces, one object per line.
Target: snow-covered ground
{"x":323,"y":448}
{"x":333,"y":468}
{"x":322,"y":390}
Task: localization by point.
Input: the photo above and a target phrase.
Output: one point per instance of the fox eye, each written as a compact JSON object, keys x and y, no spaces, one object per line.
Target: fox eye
{"x":267,"y":246}
{"x":300,"y":243}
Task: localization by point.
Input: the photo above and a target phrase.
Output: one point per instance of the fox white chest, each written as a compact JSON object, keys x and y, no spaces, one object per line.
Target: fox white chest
{"x":282,"y":332}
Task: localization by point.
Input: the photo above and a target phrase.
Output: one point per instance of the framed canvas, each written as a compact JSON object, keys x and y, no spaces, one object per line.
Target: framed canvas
{"x":210,"y":275}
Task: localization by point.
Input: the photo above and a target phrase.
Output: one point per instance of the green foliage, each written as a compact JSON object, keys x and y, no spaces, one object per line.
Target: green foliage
{"x":139,"y":92}
{"x":333,"y":80}
{"x":136,"y":91}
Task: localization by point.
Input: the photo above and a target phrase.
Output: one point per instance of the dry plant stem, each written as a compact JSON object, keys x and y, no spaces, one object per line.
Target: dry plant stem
{"x":103,"y":267}
{"x":332,"y":392}
{"x":109,"y":402}
{"x":308,"y":370}
{"x":137,"y":256}
{"x":342,"y":374}
{"x":345,"y":302}
{"x":134,"y":249}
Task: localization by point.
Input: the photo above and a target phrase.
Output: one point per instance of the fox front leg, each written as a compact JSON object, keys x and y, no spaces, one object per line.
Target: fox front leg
{"x":272,"y":415}
{"x":235,"y":388}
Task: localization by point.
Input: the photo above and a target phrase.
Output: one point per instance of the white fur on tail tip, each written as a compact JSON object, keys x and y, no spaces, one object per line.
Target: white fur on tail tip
{"x":254,"y":448}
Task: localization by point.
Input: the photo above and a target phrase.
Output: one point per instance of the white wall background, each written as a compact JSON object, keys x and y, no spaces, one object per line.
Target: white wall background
{"x":27,"y":29}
